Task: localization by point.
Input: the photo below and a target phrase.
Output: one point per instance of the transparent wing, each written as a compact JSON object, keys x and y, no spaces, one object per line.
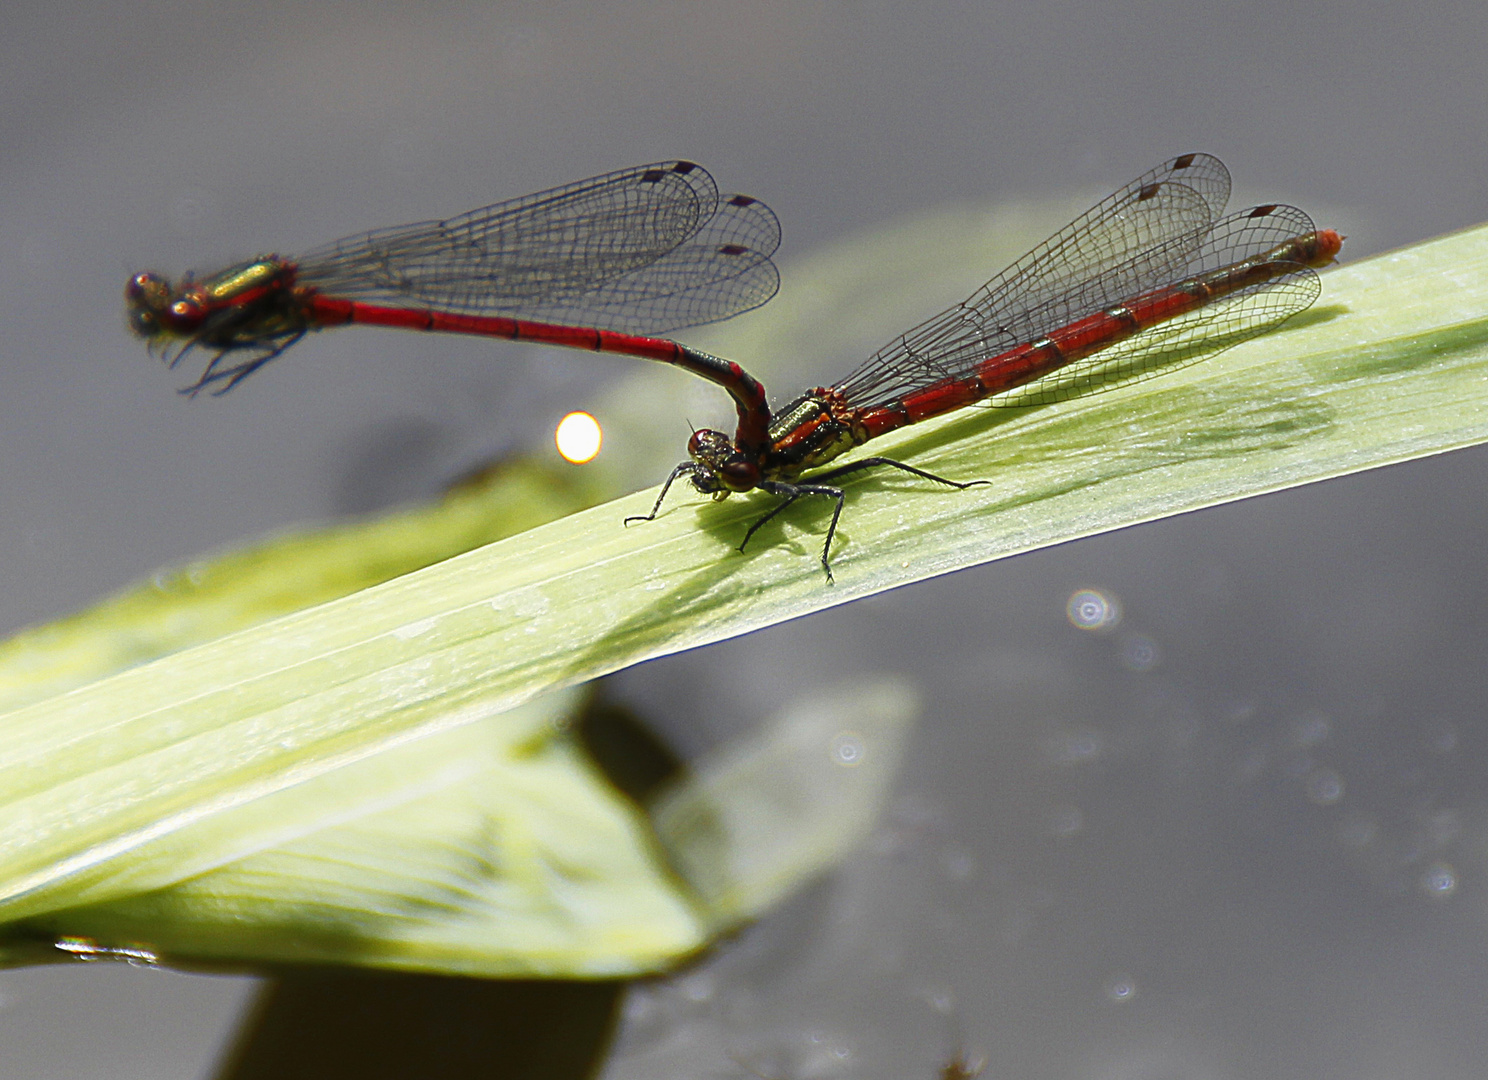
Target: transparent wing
{"x":1141,"y":237}
{"x":655,"y":239}
{"x":722,"y":270}
{"x":1243,"y":314}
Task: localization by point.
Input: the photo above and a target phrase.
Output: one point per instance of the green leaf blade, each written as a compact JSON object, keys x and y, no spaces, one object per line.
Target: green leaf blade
{"x":1392,"y":364}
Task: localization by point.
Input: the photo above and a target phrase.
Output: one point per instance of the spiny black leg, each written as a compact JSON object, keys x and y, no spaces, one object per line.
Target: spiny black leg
{"x":172,"y":361}
{"x":247,"y":369}
{"x":790,"y":493}
{"x":873,"y":462}
{"x":831,"y":532}
{"x":687,"y":468}
{"x":787,"y":492}
{"x":869,"y":463}
{"x":209,"y":375}
{"x":231,"y":376}
{"x":235,"y":374}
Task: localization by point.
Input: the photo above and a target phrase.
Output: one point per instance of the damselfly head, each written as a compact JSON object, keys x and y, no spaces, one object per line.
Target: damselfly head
{"x":721,"y":467}
{"x":145,"y":299}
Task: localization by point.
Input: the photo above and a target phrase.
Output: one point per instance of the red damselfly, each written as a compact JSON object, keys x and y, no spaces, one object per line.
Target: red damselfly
{"x":591,"y":265}
{"x":1146,"y":281}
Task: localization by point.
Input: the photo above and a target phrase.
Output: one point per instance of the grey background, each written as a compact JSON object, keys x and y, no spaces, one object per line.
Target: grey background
{"x":1206,"y":844}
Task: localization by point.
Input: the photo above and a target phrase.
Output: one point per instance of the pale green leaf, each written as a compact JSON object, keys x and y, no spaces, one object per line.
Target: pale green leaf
{"x":496,"y":849}
{"x":1391,"y":364}
{"x":218,"y":594}
{"x":755,"y":820}
{"x":467,"y":852}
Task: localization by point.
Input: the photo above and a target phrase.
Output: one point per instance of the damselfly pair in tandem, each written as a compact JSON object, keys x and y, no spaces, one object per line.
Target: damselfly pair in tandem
{"x":1149,"y":279}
